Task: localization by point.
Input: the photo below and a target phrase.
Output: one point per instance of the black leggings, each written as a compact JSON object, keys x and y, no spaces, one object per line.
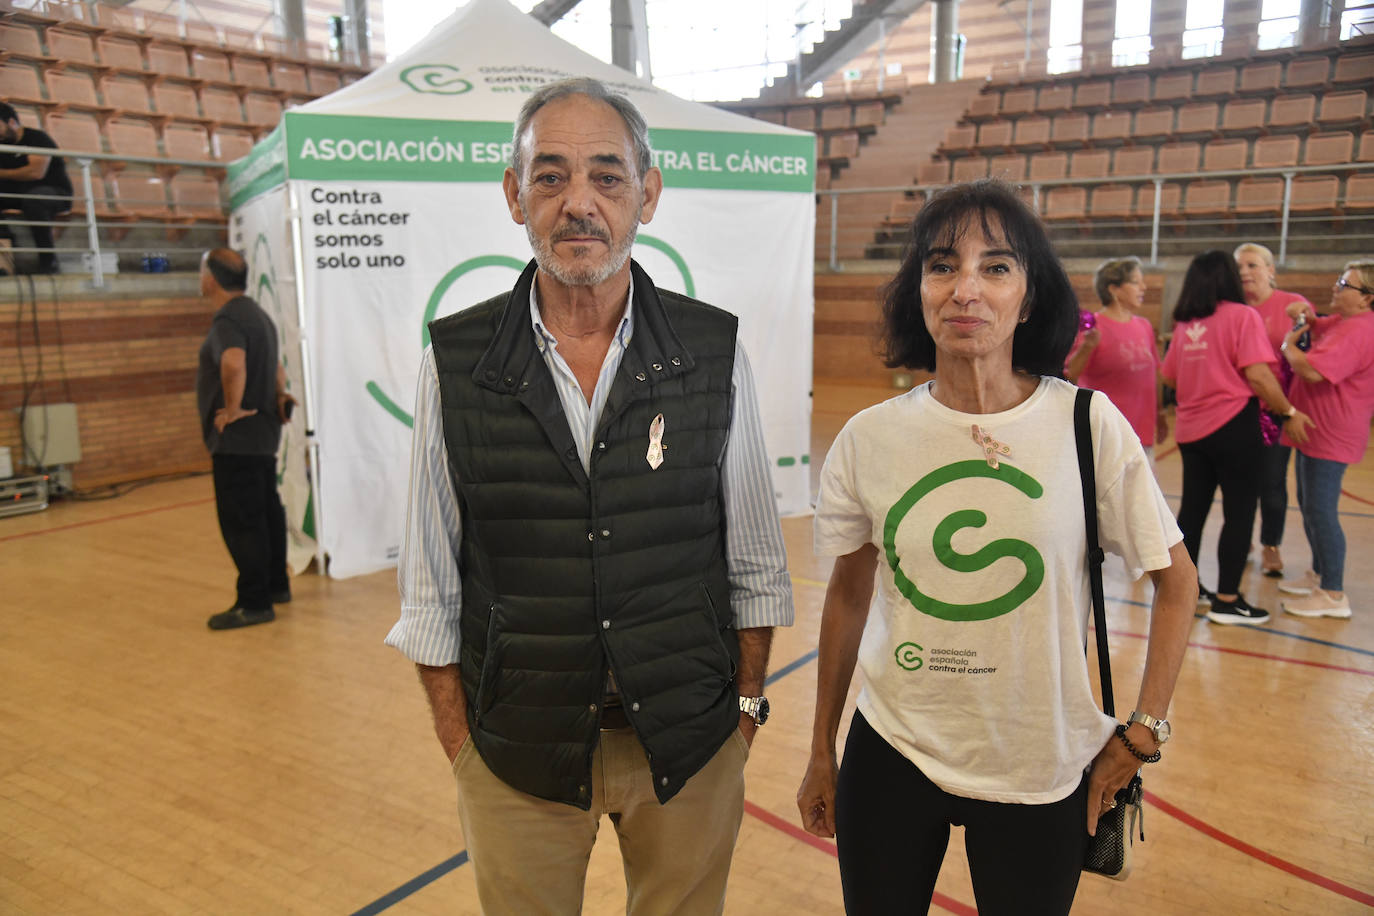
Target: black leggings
{"x":1232,"y":457}
{"x":892,"y":827}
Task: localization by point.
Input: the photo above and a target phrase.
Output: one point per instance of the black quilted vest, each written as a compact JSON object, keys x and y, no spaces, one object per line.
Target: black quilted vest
{"x":565,"y":575}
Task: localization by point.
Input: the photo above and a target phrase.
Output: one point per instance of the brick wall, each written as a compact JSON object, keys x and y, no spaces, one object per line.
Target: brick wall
{"x":126,"y":358}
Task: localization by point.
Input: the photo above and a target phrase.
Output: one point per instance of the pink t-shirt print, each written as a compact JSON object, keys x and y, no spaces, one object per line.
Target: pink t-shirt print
{"x":1342,"y":406}
{"x":1123,"y":368}
{"x":1206,"y":359}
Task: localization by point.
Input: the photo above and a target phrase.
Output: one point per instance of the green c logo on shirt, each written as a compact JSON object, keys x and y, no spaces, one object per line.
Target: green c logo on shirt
{"x":980,"y":559}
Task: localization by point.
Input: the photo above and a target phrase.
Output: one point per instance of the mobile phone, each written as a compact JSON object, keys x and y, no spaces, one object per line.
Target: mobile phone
{"x":1087,"y":320}
{"x":287,"y":408}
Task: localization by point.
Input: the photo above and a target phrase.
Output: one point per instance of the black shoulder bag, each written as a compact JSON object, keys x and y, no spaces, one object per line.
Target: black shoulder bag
{"x":1109,"y":852}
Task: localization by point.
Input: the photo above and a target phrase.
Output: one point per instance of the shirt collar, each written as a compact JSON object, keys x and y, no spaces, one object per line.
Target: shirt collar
{"x":544,"y":340}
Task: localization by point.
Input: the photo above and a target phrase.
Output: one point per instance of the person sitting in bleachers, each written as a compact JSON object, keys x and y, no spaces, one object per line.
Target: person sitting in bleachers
{"x":42,"y":180}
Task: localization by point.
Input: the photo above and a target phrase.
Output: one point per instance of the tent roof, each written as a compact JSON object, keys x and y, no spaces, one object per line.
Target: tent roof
{"x":483,"y":61}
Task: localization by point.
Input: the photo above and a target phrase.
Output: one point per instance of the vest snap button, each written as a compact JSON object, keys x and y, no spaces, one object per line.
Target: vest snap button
{"x":658,"y":367}
{"x":634,"y":707}
{"x":605,"y":532}
{"x":592,"y":707}
{"x":524,"y":385}
{"x":601,"y":446}
{"x":591,"y":536}
{"x":509,"y":381}
{"x":641,"y":376}
{"x":605,"y":624}
{"x":676,"y":361}
{"x":663,"y":781}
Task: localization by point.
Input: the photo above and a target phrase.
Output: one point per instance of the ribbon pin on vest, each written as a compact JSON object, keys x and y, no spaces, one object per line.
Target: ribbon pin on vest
{"x":656,"y":446}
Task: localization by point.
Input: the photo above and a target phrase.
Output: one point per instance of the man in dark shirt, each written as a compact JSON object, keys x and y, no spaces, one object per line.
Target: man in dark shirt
{"x":44,"y":177}
{"x":242,"y":399}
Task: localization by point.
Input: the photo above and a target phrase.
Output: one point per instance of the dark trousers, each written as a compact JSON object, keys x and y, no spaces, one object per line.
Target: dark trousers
{"x":892,"y":827}
{"x":253,"y":523}
{"x":1232,"y":458}
{"x":44,"y":210}
{"x":1273,"y":499}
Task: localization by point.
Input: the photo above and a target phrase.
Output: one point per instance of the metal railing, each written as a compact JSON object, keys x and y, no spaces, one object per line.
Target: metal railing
{"x":85,"y":160}
{"x":1040,"y":188}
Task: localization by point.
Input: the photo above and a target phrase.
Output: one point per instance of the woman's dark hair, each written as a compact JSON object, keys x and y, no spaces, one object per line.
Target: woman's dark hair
{"x":1211,"y":277}
{"x":1051,"y":307}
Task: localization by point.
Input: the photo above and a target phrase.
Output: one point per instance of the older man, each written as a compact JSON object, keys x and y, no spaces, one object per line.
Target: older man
{"x":592,"y":563}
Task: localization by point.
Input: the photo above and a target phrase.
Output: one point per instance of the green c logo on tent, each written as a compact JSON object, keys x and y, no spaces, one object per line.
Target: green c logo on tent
{"x":945,"y":552}
{"x":440,"y":79}
{"x":501,"y":260}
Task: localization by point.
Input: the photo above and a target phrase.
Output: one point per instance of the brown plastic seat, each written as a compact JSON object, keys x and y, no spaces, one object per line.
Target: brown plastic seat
{"x":844,"y":144}
{"x":1354,"y":68}
{"x":72,"y":46}
{"x":211,"y":65}
{"x":1131,"y":91}
{"x":201,"y":32}
{"x":75,"y":131}
{"x":119,"y":52}
{"x":1179,"y":157}
{"x":1017,"y":102}
{"x":1217,"y":82}
{"x":168,"y":59}
{"x":1305,"y":72}
{"x":1070,"y":130}
{"x":1207,"y":197}
{"x":1276,"y":152}
{"x":995,"y":135}
{"x":1049,"y":166}
{"x":1197,"y":119}
{"x":221,"y":105}
{"x":126,"y":93}
{"x":237,"y":38}
{"x":186,"y":141}
{"x":132,"y":137}
{"x":1112,"y":201}
{"x":970,"y":168}
{"x":1011,"y":167}
{"x":936,"y":171}
{"x":1344,"y":107}
{"x":903,"y":208}
{"x":1290,"y":112}
{"x":20,"y":40}
{"x":770,"y":116}
{"x":1314,"y":194}
{"x":99,"y":196}
{"x":1111,"y":126}
{"x":176,"y":99}
{"x":1173,"y":87}
{"x":231,"y":143}
{"x":1133,"y":160}
{"x":833,"y":117}
{"x":960,"y":137}
{"x":1329,"y":149}
{"x":261,"y":109}
{"x":866,"y":114}
{"x":1261,"y":77}
{"x":1359,"y":192}
{"x":984,"y":106}
{"x":139,"y":193}
{"x":252,"y":72}
{"x":165,"y":25}
{"x":1094,"y":95}
{"x":1243,"y":116}
{"x":1094,"y":163}
{"x":1153,"y":122}
{"x":74,"y":89}
{"x":1066,"y":203}
{"x":196,"y":196}
{"x":1053,"y":99}
{"x":19,"y":81}
{"x":1225,"y":155}
{"x":1366,"y":153}
{"x":1170,"y":197}
{"x":1259,"y":196}
{"x":1032,"y":133}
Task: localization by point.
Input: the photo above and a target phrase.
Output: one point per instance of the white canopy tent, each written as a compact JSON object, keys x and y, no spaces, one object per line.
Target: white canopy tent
{"x":379,"y":207}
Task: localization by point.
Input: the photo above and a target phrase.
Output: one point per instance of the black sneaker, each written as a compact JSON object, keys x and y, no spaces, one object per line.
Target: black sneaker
{"x":282,"y":597}
{"x":237,"y":617}
{"x":1236,"y":612}
{"x":1204,"y":597}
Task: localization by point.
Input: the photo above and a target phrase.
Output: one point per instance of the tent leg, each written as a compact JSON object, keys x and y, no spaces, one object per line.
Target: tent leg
{"x":293,"y":211}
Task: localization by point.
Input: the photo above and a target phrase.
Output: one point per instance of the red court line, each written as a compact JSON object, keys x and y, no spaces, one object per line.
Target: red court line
{"x":112,"y":518}
{"x":1358,"y":499}
{"x":1264,"y":655}
{"x":796,"y":832}
{"x":1257,"y":853}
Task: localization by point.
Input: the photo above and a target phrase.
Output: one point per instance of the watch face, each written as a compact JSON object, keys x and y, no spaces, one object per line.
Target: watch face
{"x":762,"y":715}
{"x":1163,"y":731}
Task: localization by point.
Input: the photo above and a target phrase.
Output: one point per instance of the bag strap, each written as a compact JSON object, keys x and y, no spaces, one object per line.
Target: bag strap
{"x":1083,"y":437}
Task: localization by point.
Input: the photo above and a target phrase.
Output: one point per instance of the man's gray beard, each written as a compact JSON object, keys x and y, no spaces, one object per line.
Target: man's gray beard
{"x":591,"y":276}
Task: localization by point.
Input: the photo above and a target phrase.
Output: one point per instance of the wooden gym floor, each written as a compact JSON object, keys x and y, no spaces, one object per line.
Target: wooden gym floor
{"x":148,"y":765}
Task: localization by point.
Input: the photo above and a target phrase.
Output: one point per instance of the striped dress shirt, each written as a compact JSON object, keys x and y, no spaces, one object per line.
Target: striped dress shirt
{"x":430,"y":584}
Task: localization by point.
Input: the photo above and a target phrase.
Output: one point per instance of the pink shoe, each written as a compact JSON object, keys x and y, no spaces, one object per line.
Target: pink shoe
{"x":1305,"y":585}
{"x":1320,"y":603}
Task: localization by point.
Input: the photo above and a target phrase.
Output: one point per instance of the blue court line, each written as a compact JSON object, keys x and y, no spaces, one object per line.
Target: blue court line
{"x":788,"y":669}
{"x":414,"y":884}
{"x":1216,"y":501}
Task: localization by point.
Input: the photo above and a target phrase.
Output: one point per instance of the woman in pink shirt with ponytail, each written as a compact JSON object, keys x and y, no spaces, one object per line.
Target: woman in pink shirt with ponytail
{"x":1218,"y":361}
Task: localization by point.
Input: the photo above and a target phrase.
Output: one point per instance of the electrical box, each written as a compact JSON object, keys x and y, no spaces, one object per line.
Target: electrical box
{"x":50,"y":435}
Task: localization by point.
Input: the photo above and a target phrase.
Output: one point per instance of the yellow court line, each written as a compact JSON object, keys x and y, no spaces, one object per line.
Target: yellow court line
{"x":814,"y":583}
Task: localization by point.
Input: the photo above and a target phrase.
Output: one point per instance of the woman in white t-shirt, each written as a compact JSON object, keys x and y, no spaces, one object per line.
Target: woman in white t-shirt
{"x":963,"y":496}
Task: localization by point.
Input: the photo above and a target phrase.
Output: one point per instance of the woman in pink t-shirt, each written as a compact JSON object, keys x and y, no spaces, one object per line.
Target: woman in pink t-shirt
{"x":1217,"y":362}
{"x":1116,"y":354}
{"x":1256,"y":266}
{"x":1334,"y":382}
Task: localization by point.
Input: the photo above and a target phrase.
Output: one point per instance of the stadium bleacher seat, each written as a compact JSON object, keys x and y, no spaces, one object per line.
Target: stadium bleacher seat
{"x":1349,"y":107}
{"x":1049,"y":166}
{"x":1225,"y":155}
{"x":99,"y":195}
{"x":1329,"y":149}
{"x":1016,"y":102}
{"x":139,"y":193}
{"x":323,"y":82}
{"x":959,"y":138}
{"x":261,"y":109}
{"x":1055,"y":99}
{"x":1032,"y":133}
{"x":126,"y":93}
{"x":995,"y":136}
{"x":19,"y":83}
{"x":123,"y":53}
{"x":1307,"y":72}
{"x":252,"y":72}
{"x":71,"y":46}
{"x":1095,"y":163}
{"x":1215,"y":83}
{"x":1354,"y":68}
{"x":1259,"y":196}
{"x":1359,"y":192}
{"x":970,"y":168}
{"x":1070,"y":130}
{"x":1173,"y":87}
{"x":934,"y":172}
{"x":74,"y":130}
{"x":231,"y":143}
{"x":1066,"y":203}
{"x":1243,"y":116}
{"x":833,"y":117}
{"x":176,"y":99}
{"x":1207,"y":198}
{"x":196,"y":196}
{"x":1170,"y":197}
{"x":1111,"y":127}
{"x":1133,"y":160}
{"x":20,"y":41}
{"x":1009,"y":167}
{"x":1314,"y":194}
{"x":1366,"y":153}
{"x":201,"y":32}
{"x":984,"y":106}
{"x":131,"y":137}
{"x":1153,"y":123}
{"x":1261,"y":77}
{"x":1130,"y":91}
{"x":1293,"y":112}
{"x":843,"y":145}
{"x":186,"y":141}
{"x":168,"y":59}
{"x":1178,"y":157}
{"x":290,"y":77}
{"x":1112,"y":201}
{"x":1197,"y":120}
{"x":1276,"y":152}
{"x":74,"y":89}
{"x":221,"y":105}
{"x":1093,"y":95}
{"x":211,"y":65}
{"x":866,"y":114}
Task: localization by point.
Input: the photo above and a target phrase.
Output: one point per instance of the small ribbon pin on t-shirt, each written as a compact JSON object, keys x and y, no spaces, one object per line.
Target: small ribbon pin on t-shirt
{"x":990,"y":446}
{"x":656,"y":446}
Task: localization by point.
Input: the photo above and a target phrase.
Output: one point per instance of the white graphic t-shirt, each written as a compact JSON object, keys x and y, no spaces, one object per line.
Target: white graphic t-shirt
{"x":973,"y":655}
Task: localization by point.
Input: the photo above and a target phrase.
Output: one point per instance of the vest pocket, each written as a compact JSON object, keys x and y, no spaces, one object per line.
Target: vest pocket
{"x":717,"y":627}
{"x":491,"y":666}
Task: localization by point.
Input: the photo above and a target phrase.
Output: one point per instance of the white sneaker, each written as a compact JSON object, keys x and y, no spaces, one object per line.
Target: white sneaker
{"x":1304,"y":585}
{"x":1319,"y":604}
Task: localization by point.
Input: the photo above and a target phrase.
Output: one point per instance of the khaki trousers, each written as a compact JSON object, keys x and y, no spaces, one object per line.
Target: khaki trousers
{"x":530,"y":855}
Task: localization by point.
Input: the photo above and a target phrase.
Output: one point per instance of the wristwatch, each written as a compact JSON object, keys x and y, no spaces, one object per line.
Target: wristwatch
{"x":756,"y":707}
{"x":1160,"y":728}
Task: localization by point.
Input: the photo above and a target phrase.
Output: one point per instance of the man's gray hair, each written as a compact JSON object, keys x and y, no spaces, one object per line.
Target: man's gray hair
{"x":592,"y":89}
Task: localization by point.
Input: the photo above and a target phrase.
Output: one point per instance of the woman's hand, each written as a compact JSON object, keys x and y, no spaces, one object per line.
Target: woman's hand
{"x":816,"y":797}
{"x":1112,"y":769}
{"x":1296,"y":427}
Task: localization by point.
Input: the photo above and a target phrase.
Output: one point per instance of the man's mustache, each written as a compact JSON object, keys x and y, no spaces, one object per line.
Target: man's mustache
{"x":580,"y":228}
